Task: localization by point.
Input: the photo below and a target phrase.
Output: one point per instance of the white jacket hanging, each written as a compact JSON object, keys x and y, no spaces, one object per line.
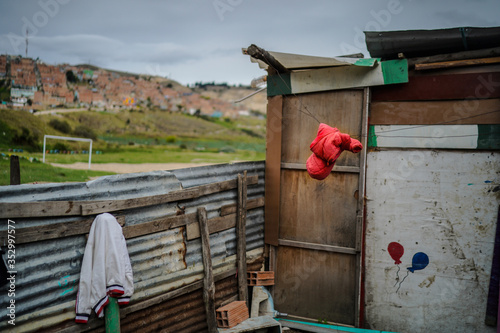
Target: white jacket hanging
{"x":106,"y":269}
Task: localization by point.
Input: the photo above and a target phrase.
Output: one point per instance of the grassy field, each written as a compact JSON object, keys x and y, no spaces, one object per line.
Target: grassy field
{"x":152,"y":154}
{"x":37,"y":172}
{"x":131,"y":137}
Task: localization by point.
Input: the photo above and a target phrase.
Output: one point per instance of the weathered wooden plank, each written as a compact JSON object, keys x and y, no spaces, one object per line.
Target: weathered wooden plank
{"x":97,"y":207}
{"x":273,"y":165}
{"x":68,"y":208}
{"x":428,"y":136}
{"x":302,"y":166}
{"x":158,"y":225}
{"x":457,"y":63}
{"x":241,"y":248}
{"x":346,"y":77}
{"x":190,"y":193}
{"x":39,"y":209}
{"x":52,"y":231}
{"x":441,"y":87}
{"x":456,"y":112}
{"x":208,"y":279}
{"x":251,"y":204}
{"x":316,"y":284}
{"x":303,"y":114}
{"x":216,"y":224}
{"x":319,"y":247}
{"x":15,"y":171}
{"x":463,"y":55}
{"x":322,"y":212}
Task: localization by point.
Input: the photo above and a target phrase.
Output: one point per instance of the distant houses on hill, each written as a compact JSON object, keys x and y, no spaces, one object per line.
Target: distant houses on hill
{"x":31,"y":84}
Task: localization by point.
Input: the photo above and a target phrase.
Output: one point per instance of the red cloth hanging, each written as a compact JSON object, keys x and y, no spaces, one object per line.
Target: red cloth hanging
{"x":326,"y":148}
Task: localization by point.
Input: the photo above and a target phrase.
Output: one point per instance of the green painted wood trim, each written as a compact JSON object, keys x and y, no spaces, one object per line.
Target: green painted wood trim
{"x":369,"y":62}
{"x":112,"y":316}
{"x":395,"y":71}
{"x":279,"y":84}
{"x":372,"y":137}
{"x":488,"y":137}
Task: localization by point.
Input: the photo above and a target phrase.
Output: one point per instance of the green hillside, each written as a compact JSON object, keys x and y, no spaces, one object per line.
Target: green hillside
{"x":21,"y":129}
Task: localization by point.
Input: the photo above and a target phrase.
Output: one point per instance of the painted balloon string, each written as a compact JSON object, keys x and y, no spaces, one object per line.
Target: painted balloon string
{"x":407,"y":273}
{"x":420,"y":261}
{"x":397,"y":275}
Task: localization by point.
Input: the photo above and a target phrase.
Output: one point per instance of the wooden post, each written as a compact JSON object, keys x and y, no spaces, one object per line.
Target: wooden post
{"x":208,"y":279}
{"x":241,"y":250}
{"x":15,"y":172}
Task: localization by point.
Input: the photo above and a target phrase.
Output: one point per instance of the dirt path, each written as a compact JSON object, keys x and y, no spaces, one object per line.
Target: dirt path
{"x":128,"y":168}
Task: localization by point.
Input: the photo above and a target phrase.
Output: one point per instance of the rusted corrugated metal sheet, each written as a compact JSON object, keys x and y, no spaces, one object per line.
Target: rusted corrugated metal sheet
{"x":48,"y":271}
{"x":441,"y":208}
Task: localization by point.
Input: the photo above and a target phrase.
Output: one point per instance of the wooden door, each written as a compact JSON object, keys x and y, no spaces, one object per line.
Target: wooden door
{"x":315,"y":226}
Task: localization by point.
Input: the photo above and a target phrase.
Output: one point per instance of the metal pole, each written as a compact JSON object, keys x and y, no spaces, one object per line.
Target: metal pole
{"x":90,"y":153}
{"x":44,"y":140}
{"x":112,"y":316}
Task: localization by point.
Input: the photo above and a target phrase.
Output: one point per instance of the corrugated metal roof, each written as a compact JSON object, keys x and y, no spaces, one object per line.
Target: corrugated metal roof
{"x":48,"y":271}
{"x":420,"y":43}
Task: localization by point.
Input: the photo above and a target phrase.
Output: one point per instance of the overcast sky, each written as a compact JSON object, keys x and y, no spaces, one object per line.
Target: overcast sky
{"x":201,"y":40}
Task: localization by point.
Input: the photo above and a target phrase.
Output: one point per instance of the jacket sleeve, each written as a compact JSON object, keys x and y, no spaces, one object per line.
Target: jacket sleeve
{"x":88,"y":288}
{"x":106,"y":269}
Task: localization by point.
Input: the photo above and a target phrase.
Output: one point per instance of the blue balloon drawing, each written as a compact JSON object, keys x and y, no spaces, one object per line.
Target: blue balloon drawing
{"x":420,"y":261}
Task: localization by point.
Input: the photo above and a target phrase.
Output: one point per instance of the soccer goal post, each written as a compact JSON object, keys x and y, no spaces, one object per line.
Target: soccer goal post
{"x":69,"y":139}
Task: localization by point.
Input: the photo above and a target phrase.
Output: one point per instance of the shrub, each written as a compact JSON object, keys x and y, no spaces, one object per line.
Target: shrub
{"x":84,"y":131}
{"x":60,"y":146}
{"x":60,"y":125}
{"x":171,"y":139}
{"x":26,"y":138}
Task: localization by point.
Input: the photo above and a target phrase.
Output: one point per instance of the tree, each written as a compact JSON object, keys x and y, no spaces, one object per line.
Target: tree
{"x":71,"y":77}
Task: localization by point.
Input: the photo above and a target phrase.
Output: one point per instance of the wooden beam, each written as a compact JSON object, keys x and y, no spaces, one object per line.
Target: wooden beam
{"x":241,"y":250}
{"x":251,"y":204}
{"x":483,"y":53}
{"x":319,"y":247}
{"x":190,"y":193}
{"x":216,"y":224}
{"x":480,"y":85}
{"x":82,"y":227}
{"x":273,"y":169}
{"x":158,"y":225}
{"x":15,"y":172}
{"x":457,"y":63}
{"x":208,"y":279}
{"x":52,"y":231}
{"x":69,"y":208}
{"x":258,"y":53}
{"x":302,"y":166}
{"x":454,"y":112}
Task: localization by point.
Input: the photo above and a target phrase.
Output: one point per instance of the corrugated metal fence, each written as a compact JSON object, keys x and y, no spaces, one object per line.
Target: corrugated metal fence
{"x":164,"y":263}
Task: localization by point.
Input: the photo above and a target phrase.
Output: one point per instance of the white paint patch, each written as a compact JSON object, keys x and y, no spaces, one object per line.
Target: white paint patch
{"x":336,"y":78}
{"x":444,"y":205}
{"x":427,"y":136}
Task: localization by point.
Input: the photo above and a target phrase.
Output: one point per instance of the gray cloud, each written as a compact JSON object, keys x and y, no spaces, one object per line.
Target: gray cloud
{"x":194,"y":40}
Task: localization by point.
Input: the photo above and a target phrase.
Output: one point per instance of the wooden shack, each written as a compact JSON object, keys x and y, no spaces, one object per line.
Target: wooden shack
{"x":427,"y":179}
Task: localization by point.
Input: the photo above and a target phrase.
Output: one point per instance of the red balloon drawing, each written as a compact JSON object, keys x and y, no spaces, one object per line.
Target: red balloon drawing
{"x":396,"y":251}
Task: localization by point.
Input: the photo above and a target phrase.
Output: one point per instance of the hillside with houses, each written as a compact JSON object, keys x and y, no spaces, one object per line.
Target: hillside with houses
{"x":30,"y":84}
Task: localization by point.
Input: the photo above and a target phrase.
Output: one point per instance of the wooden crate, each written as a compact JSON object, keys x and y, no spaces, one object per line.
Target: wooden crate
{"x":259,"y":278}
{"x":232,"y":314}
